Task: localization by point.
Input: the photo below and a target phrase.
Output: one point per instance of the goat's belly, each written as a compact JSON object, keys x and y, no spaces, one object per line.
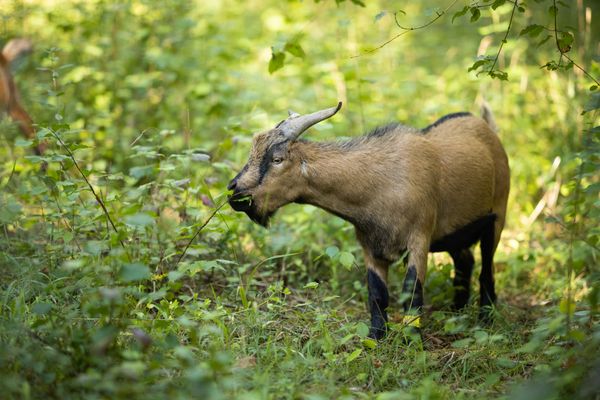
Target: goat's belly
{"x":463,"y":237}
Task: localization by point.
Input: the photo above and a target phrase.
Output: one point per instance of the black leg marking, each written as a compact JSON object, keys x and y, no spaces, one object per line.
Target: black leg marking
{"x":413,"y":288}
{"x":486,"y":279}
{"x":463,"y":268}
{"x":378,"y":302}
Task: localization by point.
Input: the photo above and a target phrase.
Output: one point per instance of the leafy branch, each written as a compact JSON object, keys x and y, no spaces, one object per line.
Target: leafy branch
{"x":98,"y":199}
{"x":501,"y":74}
{"x":564,"y":46}
{"x":563,"y":41}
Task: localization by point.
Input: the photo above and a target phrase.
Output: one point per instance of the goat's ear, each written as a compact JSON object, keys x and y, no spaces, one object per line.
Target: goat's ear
{"x":15,"y":48}
{"x":296,"y":124}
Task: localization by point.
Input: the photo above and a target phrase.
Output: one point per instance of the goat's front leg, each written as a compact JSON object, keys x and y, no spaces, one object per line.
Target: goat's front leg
{"x":412,"y":288}
{"x":378,"y":295}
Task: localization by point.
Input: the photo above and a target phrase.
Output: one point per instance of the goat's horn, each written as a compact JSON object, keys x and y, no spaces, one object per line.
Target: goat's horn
{"x":295,"y":124}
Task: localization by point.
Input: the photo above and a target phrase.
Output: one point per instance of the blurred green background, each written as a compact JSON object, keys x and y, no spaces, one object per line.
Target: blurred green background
{"x":158,"y":102}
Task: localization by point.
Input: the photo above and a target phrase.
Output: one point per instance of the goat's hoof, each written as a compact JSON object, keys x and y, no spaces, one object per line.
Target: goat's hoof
{"x":376,"y":333}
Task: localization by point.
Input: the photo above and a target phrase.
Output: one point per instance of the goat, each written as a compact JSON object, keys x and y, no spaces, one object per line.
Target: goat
{"x":10,"y":101}
{"x":441,"y":188}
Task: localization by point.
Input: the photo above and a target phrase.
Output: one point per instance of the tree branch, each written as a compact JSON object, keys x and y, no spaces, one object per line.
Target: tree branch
{"x":407,"y":29}
{"x":199,"y":230}
{"x":512,"y":15}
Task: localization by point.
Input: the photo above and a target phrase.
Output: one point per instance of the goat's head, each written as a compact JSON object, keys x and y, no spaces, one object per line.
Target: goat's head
{"x":272,"y":177}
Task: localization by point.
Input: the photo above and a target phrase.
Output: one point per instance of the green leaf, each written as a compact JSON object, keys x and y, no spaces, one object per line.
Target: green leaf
{"x":503,"y":76}
{"x":358,"y":3}
{"x":460,"y":13}
{"x":552,"y":10}
{"x":497,"y":4}
{"x":332,"y":251}
{"x":567,"y":306}
{"x":139,"y":219}
{"x":362,"y":329}
{"x":462,"y":343}
{"x":203,"y":265}
{"x":477,"y":64}
{"x":480,"y":336}
{"x":294,"y":49}
{"x":347,"y":338}
{"x":95,"y":247}
{"x":42,"y":133}
{"x":346,"y":259}
{"x":475,"y":14}
{"x":243,"y":296}
{"x":20,"y":142}
{"x":506,"y":363}
{"x":353,"y":356}
{"x":175,"y":275}
{"x":41,"y":308}
{"x":134,"y":272}
{"x":10,"y":209}
{"x":593,"y":103}
{"x":140,"y":172}
{"x":532,"y":30}
{"x":277,"y":60}
{"x":565,"y":41}
{"x":369,"y":343}
{"x":311,"y":285}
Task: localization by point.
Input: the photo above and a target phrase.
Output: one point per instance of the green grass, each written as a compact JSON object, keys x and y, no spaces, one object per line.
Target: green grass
{"x":77,"y":329}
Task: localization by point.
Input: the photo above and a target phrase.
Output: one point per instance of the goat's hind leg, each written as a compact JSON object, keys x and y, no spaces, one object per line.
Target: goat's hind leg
{"x":463,"y":268}
{"x":412,"y":288}
{"x":489,"y":242}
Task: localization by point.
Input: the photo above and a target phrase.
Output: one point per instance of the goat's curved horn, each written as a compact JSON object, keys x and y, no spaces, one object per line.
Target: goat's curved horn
{"x":295,"y":124}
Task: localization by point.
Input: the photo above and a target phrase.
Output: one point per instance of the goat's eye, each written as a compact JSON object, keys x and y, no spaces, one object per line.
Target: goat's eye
{"x":277,"y":160}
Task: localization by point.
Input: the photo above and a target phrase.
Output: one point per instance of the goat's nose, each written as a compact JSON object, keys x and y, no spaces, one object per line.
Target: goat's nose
{"x":232,"y":184}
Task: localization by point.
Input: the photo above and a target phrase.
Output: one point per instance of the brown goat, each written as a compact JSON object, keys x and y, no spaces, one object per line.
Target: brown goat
{"x":441,"y":188}
{"x":10,"y":101}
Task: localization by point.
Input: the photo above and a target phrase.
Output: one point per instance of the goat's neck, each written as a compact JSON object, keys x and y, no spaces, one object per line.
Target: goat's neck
{"x":336,"y":179}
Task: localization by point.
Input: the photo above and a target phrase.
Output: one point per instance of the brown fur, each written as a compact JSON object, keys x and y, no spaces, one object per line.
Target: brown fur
{"x":10,"y":101}
{"x":402,"y":189}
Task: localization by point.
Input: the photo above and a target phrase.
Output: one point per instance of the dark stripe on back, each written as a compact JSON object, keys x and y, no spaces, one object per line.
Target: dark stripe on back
{"x":444,"y":119}
{"x":383,"y":130}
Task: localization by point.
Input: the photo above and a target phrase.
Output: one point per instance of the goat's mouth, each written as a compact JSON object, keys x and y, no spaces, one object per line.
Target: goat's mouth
{"x":240,"y":201}
{"x":244,"y":203}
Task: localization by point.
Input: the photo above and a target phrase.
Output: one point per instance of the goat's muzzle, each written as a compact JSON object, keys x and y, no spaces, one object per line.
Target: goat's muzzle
{"x":240,"y":201}
{"x":243,"y":202}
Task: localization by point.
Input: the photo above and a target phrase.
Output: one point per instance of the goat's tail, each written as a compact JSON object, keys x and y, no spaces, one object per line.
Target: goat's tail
{"x":16,"y":48}
{"x":488,"y":117}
